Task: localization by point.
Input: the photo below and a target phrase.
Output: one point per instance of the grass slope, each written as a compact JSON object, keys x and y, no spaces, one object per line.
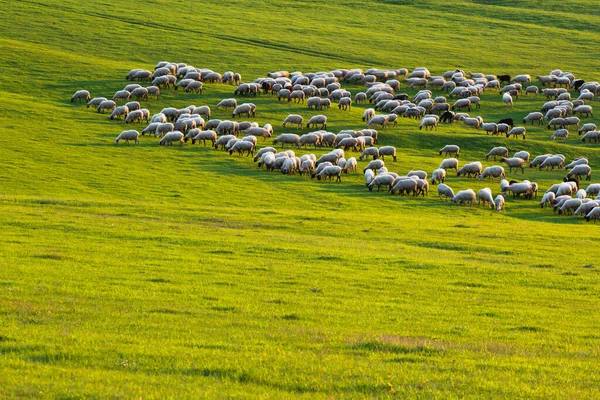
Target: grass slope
{"x":142,"y":271}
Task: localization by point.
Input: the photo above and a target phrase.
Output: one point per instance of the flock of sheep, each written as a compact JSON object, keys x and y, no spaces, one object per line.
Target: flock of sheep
{"x":319,"y":90}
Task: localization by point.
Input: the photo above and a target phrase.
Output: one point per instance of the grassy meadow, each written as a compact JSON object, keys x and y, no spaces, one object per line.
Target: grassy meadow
{"x":143,"y":271}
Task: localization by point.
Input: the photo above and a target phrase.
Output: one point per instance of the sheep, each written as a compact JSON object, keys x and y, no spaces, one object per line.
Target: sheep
{"x":594,"y":214}
{"x":507,"y":99}
{"x":382,"y":180}
{"x":587,"y":128}
{"x":329,"y":157}
{"x":212,"y":124}
{"x":122,"y":95}
{"x":473,"y":122}
{"x":127,"y":136}
{"x":584,"y":109}
{"x":514,"y":162}
{"x":314,"y":102}
{"x":492,"y":172}
{"x":345,"y":103}
{"x":306,"y":166}
{"x":374,"y":165}
{"x":538,"y":160}
{"x":497,"y":151}
{"x":485,"y":195}
{"x":532,"y":90}
{"x":566,"y":189}
{"x":369,"y":151}
{"x":518,"y":189}
{"x":581,"y":194}
{"x":473,"y":168}
{"x":222,"y":141}
{"x":462,"y":103}
{"x":310,"y":138}
{"x":226,"y":127}
{"x":267,"y":159}
{"x":438,"y":176}
{"x":169,"y":138}
{"x":297,"y":95}
{"x":95,"y":102}
{"x":264,"y":150}
{"x":534,"y":116}
{"x":548,"y":198}
{"x":405,"y":185}
{"x":360,"y":97}
{"x":381,"y":120}
{"x":569,"y":206}
{"x":317,"y":120}
{"x":136,"y":115}
{"x":151,"y":128}
{"x":445,"y":190}
{"x":227,"y":104}
{"x":257,"y":131}
{"x":450,"y":149}
{"x":593,"y":189}
{"x":581,"y":170}
{"x":287,"y":138}
{"x":586,"y":207}
{"x":560,"y":134}
{"x":516,"y":131}
{"x":163,"y":128}
{"x":330,"y":172}
{"x":242,"y":146}
{"x":195,"y":86}
{"x":293,"y":119}
{"x":524,"y":155}
{"x":369,"y":176}
{"x":429,"y":122}
{"x":350,"y":165}
{"x":81,"y":95}
{"x":463,"y":197}
{"x":119,"y":112}
{"x":591,"y":135}
{"x":449,"y":163}
{"x":106,"y":105}
{"x":551,"y":162}
{"x":205,"y":135}
{"x":387,"y":151}
{"x":490,"y":127}
{"x":246,"y":108}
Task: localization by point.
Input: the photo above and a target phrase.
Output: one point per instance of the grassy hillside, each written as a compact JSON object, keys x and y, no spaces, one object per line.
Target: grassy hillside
{"x":144,"y":271}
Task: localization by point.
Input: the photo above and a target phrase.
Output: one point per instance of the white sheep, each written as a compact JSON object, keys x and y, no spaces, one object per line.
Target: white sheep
{"x":387,"y":151}
{"x":438,"y":175}
{"x":517,"y":131}
{"x":492,"y":172}
{"x":81,"y":95}
{"x":106,"y":105}
{"x":330,"y":172}
{"x":293,"y":119}
{"x":524,"y":155}
{"x":127,"y":136}
{"x":473,"y":168}
{"x":499,"y":202}
{"x":445,"y":190}
{"x":485,"y":195}
{"x":449,"y":163}
{"x":560,"y":134}
{"x":551,"y":162}
{"x":374,"y":165}
{"x":350,"y":165}
{"x":317,"y":120}
{"x":430,"y":122}
{"x":514,"y":162}
{"x":548,"y":198}
{"x":507,"y":99}
{"x":464,"y":196}
{"x":95,"y":102}
{"x":169,"y":138}
{"x":287,"y":138}
{"x":581,"y":170}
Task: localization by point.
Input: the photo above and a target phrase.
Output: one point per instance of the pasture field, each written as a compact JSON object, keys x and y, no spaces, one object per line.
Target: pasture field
{"x":149,"y":272}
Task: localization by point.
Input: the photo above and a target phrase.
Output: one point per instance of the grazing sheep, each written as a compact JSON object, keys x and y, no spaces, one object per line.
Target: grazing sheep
{"x":495,"y":171}
{"x":293,"y":119}
{"x":485,"y":195}
{"x":584,"y":109}
{"x":538,"y":160}
{"x":133,"y":116}
{"x":227,"y":103}
{"x":317,"y":120}
{"x":499,"y":203}
{"x":516,"y":131}
{"x":514,"y":162}
{"x":581,"y":170}
{"x":368,"y":152}
{"x":463,"y":197}
{"x":473,"y":168}
{"x":248,"y":109}
{"x":449,"y":163}
{"x":243,"y":146}
{"x":490,"y":127}
{"x":264,"y":150}
{"x":402,"y":186}
{"x":381,"y":120}
{"x":591,"y":136}
{"x":345,"y":103}
{"x":593,"y":189}
{"x":534,"y":116}
{"x":560,"y":134}
{"x":106,"y":105}
{"x":445,"y":190}
{"x":350,"y":165}
{"x":569,"y":206}
{"x":257,"y":131}
{"x":382,"y":180}
{"x":195,"y":86}
{"x":119,"y":112}
{"x":267,"y":159}
{"x":122,"y":95}
{"x":169,"y":138}
{"x":429,"y":122}
{"x":548,"y":198}
{"x":462,"y":103}
{"x":95,"y":102}
{"x":306,"y":166}
{"x":287,"y":138}
{"x":81,"y":95}
{"x":387,"y":151}
{"x":204,"y":136}
{"x":450,"y":149}
{"x":497,"y":151}
{"x":127,"y":136}
{"x":374,"y":165}
{"x":518,"y":189}
{"x":585,"y":208}
{"x":369,"y":176}
{"x":551,"y":162}
{"x":584,"y":129}
{"x":507,"y":99}
{"x":438,"y":175}
{"x":330,"y":172}
{"x":523,"y":155}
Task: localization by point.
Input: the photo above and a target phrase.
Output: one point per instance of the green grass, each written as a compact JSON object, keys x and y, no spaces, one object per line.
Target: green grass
{"x":144,"y":271}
